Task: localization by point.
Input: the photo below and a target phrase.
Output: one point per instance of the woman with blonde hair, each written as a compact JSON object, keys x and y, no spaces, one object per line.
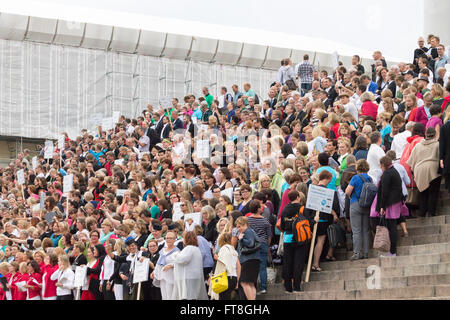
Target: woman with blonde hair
{"x":65,"y":277}
{"x":333,"y":123}
{"x":227,"y":261}
{"x":368,"y":108}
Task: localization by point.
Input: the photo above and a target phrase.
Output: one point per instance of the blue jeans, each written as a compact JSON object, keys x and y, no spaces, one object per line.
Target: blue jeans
{"x":305,"y":88}
{"x":263,"y":265}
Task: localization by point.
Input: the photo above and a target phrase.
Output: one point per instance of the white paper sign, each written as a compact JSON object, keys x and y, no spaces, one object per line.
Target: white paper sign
{"x":177,"y":216}
{"x":335,"y":60}
{"x":227,"y":192}
{"x":208,"y":195}
{"x":118,"y":162}
{"x":195,"y":216}
{"x":80,"y":276}
{"x":202,"y":149}
{"x":34,"y":162}
{"x":141,"y":270}
{"x":61,"y":141}
{"x":68,"y":183}
{"x":121,"y":192}
{"x":107,"y":124}
{"x":20,"y":177}
{"x":320,"y":199}
{"x":96,"y":118}
{"x":203,"y":127}
{"x":177,"y":208}
{"x":42,"y":201}
{"x":165,"y":102}
{"x":116,"y":116}
{"x":48,"y":149}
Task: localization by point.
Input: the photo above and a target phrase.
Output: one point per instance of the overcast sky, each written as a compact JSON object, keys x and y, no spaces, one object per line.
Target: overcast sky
{"x":392,"y":26}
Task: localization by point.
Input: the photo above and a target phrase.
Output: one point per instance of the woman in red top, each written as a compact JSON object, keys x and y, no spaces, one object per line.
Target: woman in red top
{"x":12,"y":277}
{"x":49,"y":285}
{"x":34,"y":281}
{"x":22,"y":278}
{"x":368,"y":108}
{"x":86,"y":294}
{"x":39,"y":256}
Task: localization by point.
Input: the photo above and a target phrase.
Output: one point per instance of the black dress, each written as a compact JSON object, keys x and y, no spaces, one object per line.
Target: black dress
{"x":149,"y":291}
{"x":444,"y":152}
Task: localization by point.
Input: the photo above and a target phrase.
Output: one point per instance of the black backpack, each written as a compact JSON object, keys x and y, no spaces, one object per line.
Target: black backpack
{"x":336,"y":236}
{"x":368,"y":192}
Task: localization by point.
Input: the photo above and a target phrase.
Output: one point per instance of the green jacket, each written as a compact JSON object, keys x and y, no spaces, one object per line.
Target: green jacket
{"x":209,"y":99}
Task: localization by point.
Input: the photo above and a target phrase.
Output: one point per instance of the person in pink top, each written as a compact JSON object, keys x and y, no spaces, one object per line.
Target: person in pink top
{"x":435,"y":120}
{"x":294,"y":180}
{"x":368,"y":108}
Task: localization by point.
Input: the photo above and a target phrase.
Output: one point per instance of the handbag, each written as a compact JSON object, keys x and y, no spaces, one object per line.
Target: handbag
{"x":382,"y":242}
{"x":255,"y":248}
{"x":291,"y":84}
{"x":219,"y":283}
{"x":256,"y":245}
{"x":413,"y":197}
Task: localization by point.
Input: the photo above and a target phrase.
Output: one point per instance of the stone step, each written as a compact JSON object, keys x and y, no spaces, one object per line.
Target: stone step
{"x":386,"y":272}
{"x":385,"y":283}
{"x":276,"y":292}
{"x":423,"y":239}
{"x":343,"y":254}
{"x":424,"y":230}
{"x":402,"y":248}
{"x":407,"y":260}
{"x":428,"y":221}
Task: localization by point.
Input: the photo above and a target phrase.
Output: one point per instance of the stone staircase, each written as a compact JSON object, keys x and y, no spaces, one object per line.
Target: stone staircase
{"x":421,"y":270}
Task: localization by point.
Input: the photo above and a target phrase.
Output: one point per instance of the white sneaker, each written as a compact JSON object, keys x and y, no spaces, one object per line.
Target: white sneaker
{"x":262,"y":292}
{"x":388,"y":255}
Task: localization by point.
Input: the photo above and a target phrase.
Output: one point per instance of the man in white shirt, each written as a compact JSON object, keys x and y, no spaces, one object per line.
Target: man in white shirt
{"x":399,"y":142}
{"x":224,"y":99}
{"x":355,"y":99}
{"x":374,"y":155}
{"x":143,"y":142}
{"x":348,"y":106}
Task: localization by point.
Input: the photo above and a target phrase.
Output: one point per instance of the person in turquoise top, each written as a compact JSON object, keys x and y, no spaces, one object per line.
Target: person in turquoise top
{"x":248,"y":93}
{"x":208,"y":97}
{"x":383,"y":120}
{"x":323,"y":159}
{"x":198,"y":114}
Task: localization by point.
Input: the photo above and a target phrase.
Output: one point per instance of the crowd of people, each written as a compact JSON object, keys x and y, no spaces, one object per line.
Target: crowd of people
{"x":216,"y":184}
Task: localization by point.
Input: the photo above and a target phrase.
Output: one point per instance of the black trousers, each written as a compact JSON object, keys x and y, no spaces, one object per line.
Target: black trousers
{"x":107,"y":294}
{"x":65,"y":297}
{"x":429,"y":197}
{"x":294,"y":262}
{"x":391,"y":225}
{"x":226,"y":295}
{"x":150,"y":292}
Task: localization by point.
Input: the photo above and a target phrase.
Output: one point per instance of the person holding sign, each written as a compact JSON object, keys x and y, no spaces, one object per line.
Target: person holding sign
{"x":325,"y":220}
{"x":150,"y":291}
{"x":189,"y":283}
{"x":130,"y":262}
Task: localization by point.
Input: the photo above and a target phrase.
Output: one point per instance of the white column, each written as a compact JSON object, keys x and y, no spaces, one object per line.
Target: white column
{"x":436,"y":19}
